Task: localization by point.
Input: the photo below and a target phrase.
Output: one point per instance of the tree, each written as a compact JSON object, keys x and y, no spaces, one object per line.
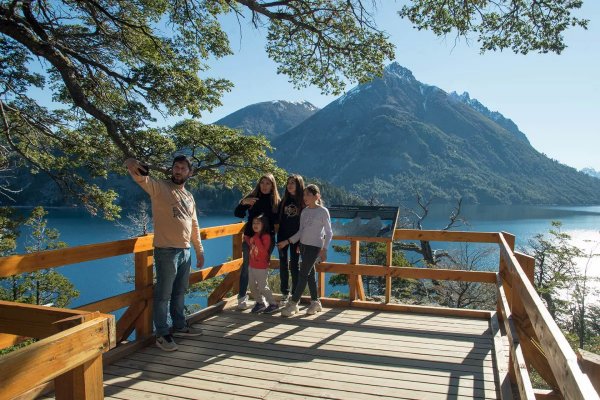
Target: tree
{"x":430,"y":257}
{"x":45,"y":286}
{"x":111,"y":64}
{"x":555,"y":269}
{"x":519,"y":25}
{"x":461,"y":294}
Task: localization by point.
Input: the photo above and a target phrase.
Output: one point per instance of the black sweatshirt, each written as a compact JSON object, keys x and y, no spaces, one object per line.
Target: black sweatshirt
{"x":289,"y":219}
{"x":262,"y":206}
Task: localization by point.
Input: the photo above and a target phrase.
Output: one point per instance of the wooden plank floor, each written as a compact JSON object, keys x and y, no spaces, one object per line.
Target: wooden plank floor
{"x":337,"y":354}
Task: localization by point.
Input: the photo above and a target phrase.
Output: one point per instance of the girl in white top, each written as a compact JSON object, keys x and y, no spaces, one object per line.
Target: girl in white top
{"x":314,"y":235}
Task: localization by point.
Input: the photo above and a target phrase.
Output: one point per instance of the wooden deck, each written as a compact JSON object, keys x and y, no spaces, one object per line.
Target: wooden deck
{"x":337,"y":354}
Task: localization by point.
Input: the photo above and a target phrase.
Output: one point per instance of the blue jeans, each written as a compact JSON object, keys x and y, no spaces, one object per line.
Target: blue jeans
{"x":172,"y":280}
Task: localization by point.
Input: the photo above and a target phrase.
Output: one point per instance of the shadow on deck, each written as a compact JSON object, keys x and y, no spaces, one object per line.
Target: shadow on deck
{"x":336,"y":354}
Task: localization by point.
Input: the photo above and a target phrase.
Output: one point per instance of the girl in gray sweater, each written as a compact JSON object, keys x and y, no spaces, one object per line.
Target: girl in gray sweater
{"x":314,"y":235}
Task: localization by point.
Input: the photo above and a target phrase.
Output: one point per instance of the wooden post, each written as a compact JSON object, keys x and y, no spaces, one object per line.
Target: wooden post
{"x":85,"y":381}
{"x":389,"y":247}
{"x":354,"y":259}
{"x":321,"y":284}
{"x":81,"y":383}
{"x":144,"y":277}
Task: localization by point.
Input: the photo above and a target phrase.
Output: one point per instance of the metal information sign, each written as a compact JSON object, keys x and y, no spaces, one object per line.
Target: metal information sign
{"x":363,"y":221}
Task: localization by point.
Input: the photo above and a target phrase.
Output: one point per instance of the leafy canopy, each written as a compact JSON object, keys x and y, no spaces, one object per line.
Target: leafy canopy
{"x":111,"y":65}
{"x":519,"y":25}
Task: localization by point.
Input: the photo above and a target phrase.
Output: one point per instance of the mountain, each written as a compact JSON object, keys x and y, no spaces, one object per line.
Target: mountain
{"x":395,"y":136}
{"x":270,"y":118}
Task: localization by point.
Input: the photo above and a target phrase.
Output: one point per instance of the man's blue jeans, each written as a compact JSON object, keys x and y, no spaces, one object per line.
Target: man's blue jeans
{"x":172,"y":280}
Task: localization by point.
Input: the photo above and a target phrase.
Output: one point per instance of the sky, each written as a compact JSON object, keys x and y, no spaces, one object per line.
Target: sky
{"x":554,"y":99}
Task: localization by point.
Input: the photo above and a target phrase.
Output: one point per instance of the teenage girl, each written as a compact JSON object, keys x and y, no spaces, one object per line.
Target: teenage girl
{"x":314,"y":236}
{"x":264,"y":199}
{"x":260,"y":255}
{"x":289,"y":222}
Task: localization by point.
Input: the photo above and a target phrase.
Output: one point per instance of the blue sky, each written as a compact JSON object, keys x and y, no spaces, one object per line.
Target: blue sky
{"x":554,"y":99}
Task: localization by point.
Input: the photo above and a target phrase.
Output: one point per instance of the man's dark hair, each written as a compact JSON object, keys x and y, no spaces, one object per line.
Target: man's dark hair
{"x":182,"y":158}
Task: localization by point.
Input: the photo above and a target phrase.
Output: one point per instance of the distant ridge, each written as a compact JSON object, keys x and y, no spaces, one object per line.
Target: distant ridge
{"x":395,"y":135}
{"x":269,"y":118}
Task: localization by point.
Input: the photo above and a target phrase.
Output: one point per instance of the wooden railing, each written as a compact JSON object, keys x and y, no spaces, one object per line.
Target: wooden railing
{"x":534,"y":338}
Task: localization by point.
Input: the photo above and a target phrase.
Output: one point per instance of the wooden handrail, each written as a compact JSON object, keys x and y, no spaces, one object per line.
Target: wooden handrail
{"x":519,"y":306}
{"x":72,"y":352}
{"x":573,"y":384}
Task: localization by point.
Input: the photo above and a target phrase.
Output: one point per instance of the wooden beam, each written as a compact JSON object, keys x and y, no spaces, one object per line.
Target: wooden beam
{"x":51,"y":357}
{"x":82,"y":382}
{"x":126,"y":324}
{"x":144,"y":280}
{"x":563,"y":361}
{"x":321,"y":284}
{"x":518,"y":360}
{"x":455,"y":312}
{"x":221,"y":291}
{"x":211,"y":272}
{"x":590,"y":365}
{"x":119,"y":301}
{"x":389,"y":260}
{"x":446,"y":236}
{"x":220,"y":231}
{"x":360,"y":289}
{"x":500,"y":370}
{"x":408,"y":272}
{"x":8,"y":340}
{"x":14,"y":265}
{"x":527,"y":263}
{"x":32,"y":320}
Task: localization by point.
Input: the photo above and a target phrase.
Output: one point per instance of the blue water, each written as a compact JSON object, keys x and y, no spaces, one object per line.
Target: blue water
{"x":104,"y":278}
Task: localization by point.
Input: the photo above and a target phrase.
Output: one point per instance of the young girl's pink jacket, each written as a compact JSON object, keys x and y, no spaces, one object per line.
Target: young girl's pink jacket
{"x":261,"y":258}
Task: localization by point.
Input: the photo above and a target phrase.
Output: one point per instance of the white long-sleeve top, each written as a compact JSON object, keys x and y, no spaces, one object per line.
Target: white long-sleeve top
{"x":315,"y":228}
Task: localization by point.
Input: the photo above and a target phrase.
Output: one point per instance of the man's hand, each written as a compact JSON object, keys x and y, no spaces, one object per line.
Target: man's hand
{"x":199,"y":260}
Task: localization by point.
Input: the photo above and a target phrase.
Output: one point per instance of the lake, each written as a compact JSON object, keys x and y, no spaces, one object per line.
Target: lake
{"x":104,"y":278}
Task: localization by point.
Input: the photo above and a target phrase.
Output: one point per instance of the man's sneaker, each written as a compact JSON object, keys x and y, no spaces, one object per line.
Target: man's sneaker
{"x":187,"y":331}
{"x":271,"y":309}
{"x":290,"y":309}
{"x":258,"y":307}
{"x":284,"y":300}
{"x":243,"y":303}
{"x":166,"y":343}
{"x":315,"y":307}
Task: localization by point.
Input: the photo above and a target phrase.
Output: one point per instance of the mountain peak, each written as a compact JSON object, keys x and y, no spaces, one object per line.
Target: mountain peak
{"x":395,"y":70}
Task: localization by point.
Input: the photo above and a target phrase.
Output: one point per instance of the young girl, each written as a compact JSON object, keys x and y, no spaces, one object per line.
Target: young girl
{"x":260,"y":255}
{"x":314,"y":236}
{"x":289,"y":222}
{"x":264,"y":199}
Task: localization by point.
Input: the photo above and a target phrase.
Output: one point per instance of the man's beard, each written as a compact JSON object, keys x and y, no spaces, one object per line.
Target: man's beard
{"x":178,"y":181}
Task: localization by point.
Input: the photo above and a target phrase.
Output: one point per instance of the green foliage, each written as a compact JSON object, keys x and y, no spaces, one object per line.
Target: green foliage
{"x":9,"y":230}
{"x":519,"y":25}
{"x":46,"y":286}
{"x":111,"y":65}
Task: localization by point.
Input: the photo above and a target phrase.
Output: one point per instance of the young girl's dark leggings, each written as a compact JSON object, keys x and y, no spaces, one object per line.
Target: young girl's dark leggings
{"x":287,"y":266}
{"x":308,"y":255}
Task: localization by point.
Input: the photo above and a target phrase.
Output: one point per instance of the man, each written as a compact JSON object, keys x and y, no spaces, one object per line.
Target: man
{"x":175,"y":227}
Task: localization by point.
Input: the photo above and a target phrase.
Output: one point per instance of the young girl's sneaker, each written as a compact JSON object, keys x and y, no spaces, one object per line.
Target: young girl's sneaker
{"x":290,"y":309}
{"x":284,"y":300}
{"x":271,"y":309}
{"x":243,"y":303}
{"x":258,"y":307}
{"x":315,"y":307}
